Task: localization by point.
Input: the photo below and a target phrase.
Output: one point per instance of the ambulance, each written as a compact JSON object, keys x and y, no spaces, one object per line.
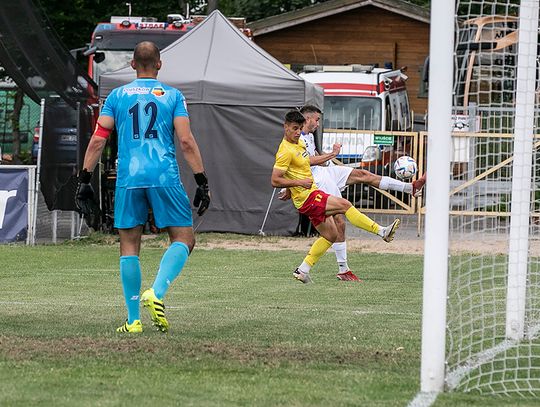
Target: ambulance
{"x":359,"y":98}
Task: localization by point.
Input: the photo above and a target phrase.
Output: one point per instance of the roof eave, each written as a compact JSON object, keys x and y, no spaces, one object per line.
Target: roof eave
{"x":322,"y":10}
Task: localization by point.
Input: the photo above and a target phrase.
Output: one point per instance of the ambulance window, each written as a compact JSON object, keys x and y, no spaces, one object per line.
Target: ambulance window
{"x":352,"y":113}
{"x":388,"y":108}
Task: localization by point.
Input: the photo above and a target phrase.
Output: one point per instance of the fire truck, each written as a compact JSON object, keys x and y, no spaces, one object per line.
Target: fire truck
{"x":113,"y":42}
{"x":359,"y":98}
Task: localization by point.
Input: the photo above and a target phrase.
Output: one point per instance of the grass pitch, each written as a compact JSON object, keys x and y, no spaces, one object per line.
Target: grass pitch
{"x":243,"y":331}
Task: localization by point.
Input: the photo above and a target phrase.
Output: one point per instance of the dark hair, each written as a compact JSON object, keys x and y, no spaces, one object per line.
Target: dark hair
{"x":310,"y":109}
{"x":146,"y":55}
{"x":294,"y":116}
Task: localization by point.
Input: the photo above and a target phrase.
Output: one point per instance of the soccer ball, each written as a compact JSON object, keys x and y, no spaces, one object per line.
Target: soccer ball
{"x":405,"y":167}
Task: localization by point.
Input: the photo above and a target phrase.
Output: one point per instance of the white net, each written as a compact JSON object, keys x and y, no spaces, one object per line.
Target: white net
{"x":494,"y":255}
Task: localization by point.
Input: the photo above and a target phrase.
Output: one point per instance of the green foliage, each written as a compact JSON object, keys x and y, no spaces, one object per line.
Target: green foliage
{"x":25,"y":156}
{"x":258,"y":9}
{"x":255,"y":10}
{"x":75,"y":20}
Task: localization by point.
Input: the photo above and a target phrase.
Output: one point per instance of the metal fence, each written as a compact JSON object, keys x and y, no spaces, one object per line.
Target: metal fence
{"x":369,"y":198}
{"x":28,"y":121}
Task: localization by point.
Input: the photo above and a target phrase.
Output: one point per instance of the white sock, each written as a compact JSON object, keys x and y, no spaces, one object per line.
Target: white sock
{"x":392,"y":184}
{"x":304,"y":267}
{"x":343,"y":268}
{"x":340,"y":248}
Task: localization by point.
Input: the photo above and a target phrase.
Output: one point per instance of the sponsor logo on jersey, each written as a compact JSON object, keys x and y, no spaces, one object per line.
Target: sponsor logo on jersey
{"x":137,"y":90}
{"x":158,"y":91}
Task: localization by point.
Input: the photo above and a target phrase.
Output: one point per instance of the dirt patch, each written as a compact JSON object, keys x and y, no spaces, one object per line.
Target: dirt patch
{"x":407,"y":244}
{"x":413,"y":246}
{"x":21,"y":349}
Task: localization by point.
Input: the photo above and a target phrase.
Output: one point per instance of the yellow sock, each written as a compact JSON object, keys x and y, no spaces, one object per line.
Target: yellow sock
{"x":361,"y":221}
{"x":318,"y":248}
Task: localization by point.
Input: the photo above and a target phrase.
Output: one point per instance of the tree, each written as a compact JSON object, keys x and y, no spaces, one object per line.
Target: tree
{"x":257,"y":9}
{"x":18,"y":102}
{"x":212,"y":5}
{"x":14,"y":117}
{"x":75,"y":20}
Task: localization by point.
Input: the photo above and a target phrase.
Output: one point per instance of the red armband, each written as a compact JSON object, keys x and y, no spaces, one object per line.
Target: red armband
{"x":101,"y":131}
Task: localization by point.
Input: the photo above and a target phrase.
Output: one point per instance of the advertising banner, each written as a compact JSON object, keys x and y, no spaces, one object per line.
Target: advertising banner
{"x":13,"y":204}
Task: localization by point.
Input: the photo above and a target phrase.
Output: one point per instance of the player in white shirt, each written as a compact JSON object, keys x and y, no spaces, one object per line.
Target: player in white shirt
{"x":332,"y":179}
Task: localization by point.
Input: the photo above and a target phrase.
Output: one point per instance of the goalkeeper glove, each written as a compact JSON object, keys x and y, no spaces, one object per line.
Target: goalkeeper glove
{"x":202,"y":195}
{"x":85,"y":194}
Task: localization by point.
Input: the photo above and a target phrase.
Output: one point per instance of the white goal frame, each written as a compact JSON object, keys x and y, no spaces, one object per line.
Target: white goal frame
{"x":437,"y":200}
{"x":435,"y":289}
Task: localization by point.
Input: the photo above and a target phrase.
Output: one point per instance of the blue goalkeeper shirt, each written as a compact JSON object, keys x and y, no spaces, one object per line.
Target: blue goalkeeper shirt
{"x":143,"y":113}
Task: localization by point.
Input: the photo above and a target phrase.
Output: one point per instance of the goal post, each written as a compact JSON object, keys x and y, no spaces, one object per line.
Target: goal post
{"x":522,"y":169}
{"x":481,"y":293}
{"x":436,"y":225}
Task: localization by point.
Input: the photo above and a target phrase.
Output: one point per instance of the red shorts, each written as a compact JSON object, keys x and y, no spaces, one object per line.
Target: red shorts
{"x":314,"y":207}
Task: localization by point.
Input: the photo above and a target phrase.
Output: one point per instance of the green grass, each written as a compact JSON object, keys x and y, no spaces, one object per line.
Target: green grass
{"x":243,"y":332}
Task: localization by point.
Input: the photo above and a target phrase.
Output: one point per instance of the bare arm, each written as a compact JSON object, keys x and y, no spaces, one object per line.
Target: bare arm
{"x":322,"y":158}
{"x":279,"y":180}
{"x":96,"y":145}
{"x":188,"y":145}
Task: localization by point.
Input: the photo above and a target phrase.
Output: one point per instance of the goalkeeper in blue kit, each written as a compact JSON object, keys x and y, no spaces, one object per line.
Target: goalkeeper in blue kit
{"x":147,"y":114}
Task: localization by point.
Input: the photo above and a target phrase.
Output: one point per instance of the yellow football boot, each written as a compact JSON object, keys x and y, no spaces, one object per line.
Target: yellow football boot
{"x":134,"y":328}
{"x":156,"y":308}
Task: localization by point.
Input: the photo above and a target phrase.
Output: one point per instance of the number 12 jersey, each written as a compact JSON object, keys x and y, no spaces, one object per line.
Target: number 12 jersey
{"x":143,"y":112}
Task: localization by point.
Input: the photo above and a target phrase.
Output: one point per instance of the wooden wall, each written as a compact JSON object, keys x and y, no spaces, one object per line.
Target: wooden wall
{"x":366,"y":35}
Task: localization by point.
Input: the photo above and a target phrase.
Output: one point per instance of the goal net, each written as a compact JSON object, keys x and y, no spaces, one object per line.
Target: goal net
{"x":492,"y":341}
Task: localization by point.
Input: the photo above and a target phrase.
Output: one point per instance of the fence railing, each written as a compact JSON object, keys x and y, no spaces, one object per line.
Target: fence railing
{"x":481,"y":175}
{"x":371,"y":199}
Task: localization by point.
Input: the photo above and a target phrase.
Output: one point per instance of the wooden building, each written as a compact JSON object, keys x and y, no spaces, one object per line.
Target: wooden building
{"x":383,"y":32}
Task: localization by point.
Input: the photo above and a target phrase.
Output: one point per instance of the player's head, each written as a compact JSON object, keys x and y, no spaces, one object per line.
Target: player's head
{"x":294,"y":120}
{"x":294,"y":116}
{"x":146,"y":58}
{"x":312,"y":115}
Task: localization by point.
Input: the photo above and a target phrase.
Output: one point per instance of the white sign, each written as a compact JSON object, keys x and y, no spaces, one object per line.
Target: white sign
{"x":4,"y":196}
{"x":15,"y":199}
{"x":353,"y":145}
{"x":462,"y":123}
{"x":461,"y":146}
{"x":151,"y":25}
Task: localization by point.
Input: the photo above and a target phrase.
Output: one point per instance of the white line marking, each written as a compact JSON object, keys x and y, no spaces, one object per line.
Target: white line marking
{"x":455,"y":376}
{"x":423,"y":399}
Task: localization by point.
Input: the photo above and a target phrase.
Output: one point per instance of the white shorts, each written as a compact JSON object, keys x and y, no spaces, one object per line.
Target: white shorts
{"x":331,"y":179}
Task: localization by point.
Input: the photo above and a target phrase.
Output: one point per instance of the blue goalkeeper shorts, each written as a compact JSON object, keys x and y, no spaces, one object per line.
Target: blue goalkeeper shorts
{"x":170,"y":206}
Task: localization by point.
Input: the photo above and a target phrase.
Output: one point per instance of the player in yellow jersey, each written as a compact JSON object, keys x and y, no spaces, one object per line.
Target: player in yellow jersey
{"x":292,"y":170}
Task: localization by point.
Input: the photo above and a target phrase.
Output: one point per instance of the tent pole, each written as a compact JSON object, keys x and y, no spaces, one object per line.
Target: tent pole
{"x":261,"y":232}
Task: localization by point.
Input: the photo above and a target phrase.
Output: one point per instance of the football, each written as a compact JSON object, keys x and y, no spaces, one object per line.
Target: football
{"x":405,"y":167}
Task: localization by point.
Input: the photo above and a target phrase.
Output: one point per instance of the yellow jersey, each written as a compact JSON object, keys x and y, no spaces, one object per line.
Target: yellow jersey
{"x":294,"y":160}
